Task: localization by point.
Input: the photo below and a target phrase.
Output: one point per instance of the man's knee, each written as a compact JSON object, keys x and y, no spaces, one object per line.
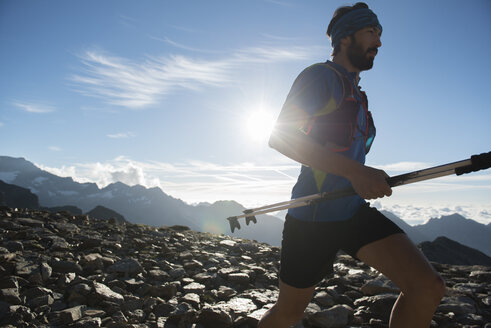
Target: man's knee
{"x":431,"y":287}
{"x":439,"y":287}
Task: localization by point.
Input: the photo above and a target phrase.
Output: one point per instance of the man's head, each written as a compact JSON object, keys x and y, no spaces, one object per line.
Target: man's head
{"x":348,"y":21}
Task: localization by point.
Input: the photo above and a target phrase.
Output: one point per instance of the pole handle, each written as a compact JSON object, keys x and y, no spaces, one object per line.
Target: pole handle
{"x":478,"y":162}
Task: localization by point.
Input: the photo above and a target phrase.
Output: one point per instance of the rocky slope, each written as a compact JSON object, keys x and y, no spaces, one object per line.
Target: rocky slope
{"x":60,"y":270}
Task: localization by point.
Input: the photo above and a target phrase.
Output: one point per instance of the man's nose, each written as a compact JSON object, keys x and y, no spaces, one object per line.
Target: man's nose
{"x":378,"y":43}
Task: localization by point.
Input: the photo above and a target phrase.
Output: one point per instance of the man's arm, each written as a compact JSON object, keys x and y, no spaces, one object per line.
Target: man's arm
{"x":368,"y":182}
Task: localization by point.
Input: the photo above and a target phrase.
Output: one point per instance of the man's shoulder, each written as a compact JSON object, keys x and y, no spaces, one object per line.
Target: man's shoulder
{"x":320,"y":71}
{"x":324,"y":67}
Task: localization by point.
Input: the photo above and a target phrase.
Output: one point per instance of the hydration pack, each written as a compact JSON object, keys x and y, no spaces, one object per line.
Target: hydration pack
{"x":337,"y":130}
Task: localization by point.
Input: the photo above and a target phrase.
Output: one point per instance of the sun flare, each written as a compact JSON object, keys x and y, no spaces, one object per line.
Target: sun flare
{"x":259,"y":125}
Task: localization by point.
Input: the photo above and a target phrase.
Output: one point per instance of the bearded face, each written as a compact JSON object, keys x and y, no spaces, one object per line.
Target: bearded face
{"x":360,"y":57}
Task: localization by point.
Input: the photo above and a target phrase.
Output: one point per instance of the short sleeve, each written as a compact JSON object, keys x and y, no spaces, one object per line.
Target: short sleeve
{"x":317,"y":91}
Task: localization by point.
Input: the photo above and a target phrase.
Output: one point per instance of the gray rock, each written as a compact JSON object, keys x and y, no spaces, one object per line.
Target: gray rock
{"x":30,"y":222}
{"x":14,"y":246}
{"x":129,"y":267}
{"x":191,"y":298}
{"x":214,"y":316}
{"x":239,"y":278}
{"x":194,"y":287}
{"x":11,"y":296}
{"x":39,"y":301}
{"x":225,"y":293}
{"x":88,"y":322}
{"x":105,"y":293}
{"x":379,"y":285}
{"x":241,"y":306}
{"x":324,"y":299}
{"x":337,"y":316}
{"x":70,"y":315}
{"x":46,"y":271}
{"x":166,"y":290}
{"x":65,"y":266}
{"x":380,"y":305}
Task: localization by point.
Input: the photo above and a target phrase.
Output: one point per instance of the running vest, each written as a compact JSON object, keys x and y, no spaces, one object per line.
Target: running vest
{"x":337,"y":129}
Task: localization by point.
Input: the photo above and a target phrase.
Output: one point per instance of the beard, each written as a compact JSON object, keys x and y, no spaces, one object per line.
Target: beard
{"x":358,"y":57}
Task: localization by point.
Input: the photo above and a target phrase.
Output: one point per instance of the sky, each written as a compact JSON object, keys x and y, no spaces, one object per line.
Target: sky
{"x":182,"y":94}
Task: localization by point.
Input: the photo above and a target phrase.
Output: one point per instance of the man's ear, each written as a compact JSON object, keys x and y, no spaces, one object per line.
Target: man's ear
{"x":345,"y":42}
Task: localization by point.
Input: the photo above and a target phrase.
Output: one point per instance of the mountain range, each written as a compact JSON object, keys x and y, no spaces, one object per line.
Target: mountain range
{"x":150,"y":206}
{"x":154,"y":207}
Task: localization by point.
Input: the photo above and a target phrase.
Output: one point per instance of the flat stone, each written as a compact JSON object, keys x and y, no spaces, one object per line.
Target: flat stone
{"x":66,"y":267}
{"x":71,"y":315}
{"x":239,"y":278}
{"x":241,"y":306}
{"x":335,"y":317}
{"x":30,"y":222}
{"x":11,"y":296}
{"x":127,"y":266}
{"x":87,"y":322}
{"x":194,"y":287}
{"x":166,"y":290}
{"x":379,"y":286}
{"x":228,"y":243}
{"x":192,"y":299}
{"x":215,"y":316}
{"x":14,"y":246}
{"x":105,"y":293}
{"x":324,"y":299}
{"x":379,"y":305}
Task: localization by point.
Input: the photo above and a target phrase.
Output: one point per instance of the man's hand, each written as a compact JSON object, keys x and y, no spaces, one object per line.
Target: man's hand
{"x":370,"y":183}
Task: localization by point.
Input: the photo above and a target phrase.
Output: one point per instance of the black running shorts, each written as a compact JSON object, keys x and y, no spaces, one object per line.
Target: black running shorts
{"x":308,"y":249}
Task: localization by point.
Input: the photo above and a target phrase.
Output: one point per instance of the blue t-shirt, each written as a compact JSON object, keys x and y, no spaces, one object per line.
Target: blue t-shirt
{"x":318,"y":91}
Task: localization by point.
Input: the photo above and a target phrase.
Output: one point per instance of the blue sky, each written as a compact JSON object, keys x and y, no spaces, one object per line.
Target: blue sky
{"x":179,"y":94}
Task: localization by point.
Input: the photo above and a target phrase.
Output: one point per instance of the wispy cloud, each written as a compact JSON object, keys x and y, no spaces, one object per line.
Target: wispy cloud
{"x":127,"y":20}
{"x":182,"y":46}
{"x":33,"y":107}
{"x":134,"y":85}
{"x":121,"y":135}
{"x":269,"y":54}
{"x":138,"y":84}
{"x":54,"y":148}
{"x":1,"y":124}
{"x":280,"y":3}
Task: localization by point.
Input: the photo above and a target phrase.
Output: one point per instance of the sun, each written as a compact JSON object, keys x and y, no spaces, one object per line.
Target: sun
{"x":258,"y":125}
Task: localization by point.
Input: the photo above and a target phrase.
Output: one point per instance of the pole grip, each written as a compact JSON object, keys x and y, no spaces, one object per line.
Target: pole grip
{"x":478,"y":162}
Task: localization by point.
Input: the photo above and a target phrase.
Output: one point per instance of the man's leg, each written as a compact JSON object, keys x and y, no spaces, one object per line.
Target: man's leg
{"x":421,"y":286}
{"x":289,"y":307}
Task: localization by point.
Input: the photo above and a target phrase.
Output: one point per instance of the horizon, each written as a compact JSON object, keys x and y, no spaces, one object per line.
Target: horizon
{"x":181,"y":96}
{"x":404,"y":213}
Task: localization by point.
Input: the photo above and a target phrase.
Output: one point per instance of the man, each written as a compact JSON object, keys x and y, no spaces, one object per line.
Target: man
{"x":325,"y":125}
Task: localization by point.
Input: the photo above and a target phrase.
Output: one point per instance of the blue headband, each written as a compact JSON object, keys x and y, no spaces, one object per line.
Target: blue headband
{"x":351,"y":22}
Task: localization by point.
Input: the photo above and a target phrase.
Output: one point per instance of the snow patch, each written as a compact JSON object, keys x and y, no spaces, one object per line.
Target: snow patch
{"x":105,"y":194}
{"x":67,"y":193}
{"x":39,"y":180}
{"x":8,"y":177}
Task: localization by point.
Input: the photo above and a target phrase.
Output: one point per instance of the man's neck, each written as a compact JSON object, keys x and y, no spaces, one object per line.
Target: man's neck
{"x":344,"y":61}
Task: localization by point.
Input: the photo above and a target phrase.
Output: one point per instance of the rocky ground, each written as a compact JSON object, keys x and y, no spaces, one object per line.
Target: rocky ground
{"x":60,"y":270}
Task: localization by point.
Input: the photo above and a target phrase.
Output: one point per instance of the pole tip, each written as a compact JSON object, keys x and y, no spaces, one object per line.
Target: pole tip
{"x":234,"y":223}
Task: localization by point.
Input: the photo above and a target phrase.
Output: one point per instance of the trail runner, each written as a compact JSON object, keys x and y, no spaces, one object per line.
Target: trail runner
{"x":326,"y":126}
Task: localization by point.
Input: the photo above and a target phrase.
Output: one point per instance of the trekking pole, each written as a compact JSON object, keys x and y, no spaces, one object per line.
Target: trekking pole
{"x":473,"y":164}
